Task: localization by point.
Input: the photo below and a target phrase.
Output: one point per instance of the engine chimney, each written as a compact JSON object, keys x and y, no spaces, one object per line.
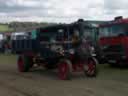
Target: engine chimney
{"x":118,"y":18}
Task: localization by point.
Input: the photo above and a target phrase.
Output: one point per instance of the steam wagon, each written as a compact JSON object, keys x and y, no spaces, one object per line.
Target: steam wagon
{"x":64,"y":47}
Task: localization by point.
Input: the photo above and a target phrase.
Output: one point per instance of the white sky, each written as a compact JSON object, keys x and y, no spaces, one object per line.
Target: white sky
{"x":61,"y":10}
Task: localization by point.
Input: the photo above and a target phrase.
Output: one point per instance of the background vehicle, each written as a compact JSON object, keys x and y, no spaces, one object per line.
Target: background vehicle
{"x":60,"y":46}
{"x":18,"y":39}
{"x":113,"y":41}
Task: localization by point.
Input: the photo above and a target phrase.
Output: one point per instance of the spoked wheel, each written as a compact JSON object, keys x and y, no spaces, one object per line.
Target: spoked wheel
{"x":90,"y":68}
{"x":24,"y":63}
{"x":20,"y":64}
{"x":64,"y":70}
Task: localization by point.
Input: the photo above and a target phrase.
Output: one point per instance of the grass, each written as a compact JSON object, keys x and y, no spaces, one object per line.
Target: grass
{"x":7,"y":59}
{"x":5,"y":28}
{"x":106,"y":72}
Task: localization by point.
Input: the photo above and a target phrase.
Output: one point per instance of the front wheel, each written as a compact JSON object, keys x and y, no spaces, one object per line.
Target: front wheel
{"x":64,"y":69}
{"x":90,"y":68}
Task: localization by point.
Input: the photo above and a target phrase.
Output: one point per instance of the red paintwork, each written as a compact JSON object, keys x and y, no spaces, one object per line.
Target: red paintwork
{"x":123,"y":40}
{"x":91,"y":67}
{"x":71,"y":57}
{"x":74,"y":67}
{"x":125,"y":43}
{"x":78,"y":67}
{"x":112,"y":40}
{"x":31,"y":54}
{"x":20,"y":64}
{"x":63,"y":69}
{"x":116,"y":41}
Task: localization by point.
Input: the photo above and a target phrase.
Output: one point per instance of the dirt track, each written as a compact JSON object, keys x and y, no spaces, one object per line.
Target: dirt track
{"x":110,"y":82}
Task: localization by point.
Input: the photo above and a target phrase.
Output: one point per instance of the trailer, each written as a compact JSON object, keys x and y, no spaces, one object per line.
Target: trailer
{"x":64,"y":47}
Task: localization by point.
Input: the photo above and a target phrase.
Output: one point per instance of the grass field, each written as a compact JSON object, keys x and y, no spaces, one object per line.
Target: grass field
{"x":4,"y":28}
{"x":7,"y":59}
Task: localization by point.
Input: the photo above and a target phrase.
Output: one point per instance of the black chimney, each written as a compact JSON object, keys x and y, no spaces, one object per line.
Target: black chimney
{"x":118,"y":18}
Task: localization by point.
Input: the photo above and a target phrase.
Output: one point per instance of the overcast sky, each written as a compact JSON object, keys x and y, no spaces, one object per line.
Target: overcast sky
{"x":61,"y":10}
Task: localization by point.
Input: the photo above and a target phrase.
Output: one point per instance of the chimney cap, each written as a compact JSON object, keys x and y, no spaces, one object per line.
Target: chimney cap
{"x":80,"y":20}
{"x":118,"y":17}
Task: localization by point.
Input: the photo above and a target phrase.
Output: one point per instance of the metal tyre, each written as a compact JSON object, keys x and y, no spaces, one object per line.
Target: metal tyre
{"x":90,"y":68}
{"x":64,"y":70}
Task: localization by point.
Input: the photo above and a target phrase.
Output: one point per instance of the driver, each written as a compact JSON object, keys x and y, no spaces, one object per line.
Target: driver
{"x":75,"y":38}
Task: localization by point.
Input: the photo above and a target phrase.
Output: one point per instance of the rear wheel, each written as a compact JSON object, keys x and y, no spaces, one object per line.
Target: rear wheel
{"x":24,"y":63}
{"x":64,"y":70}
{"x":90,"y":68}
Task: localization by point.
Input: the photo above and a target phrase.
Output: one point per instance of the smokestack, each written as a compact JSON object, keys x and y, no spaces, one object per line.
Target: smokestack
{"x":80,"y":20}
{"x":118,"y":18}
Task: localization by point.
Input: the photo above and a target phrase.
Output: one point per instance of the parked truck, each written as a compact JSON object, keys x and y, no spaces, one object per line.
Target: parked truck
{"x":114,"y":41}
